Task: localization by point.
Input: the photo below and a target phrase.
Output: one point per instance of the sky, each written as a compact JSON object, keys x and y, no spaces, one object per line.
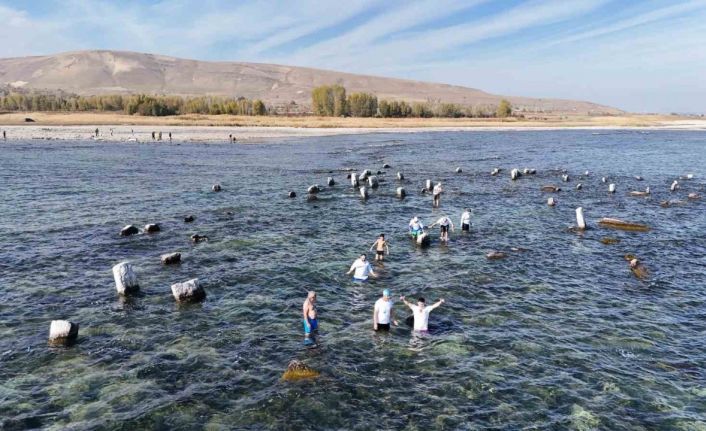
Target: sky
{"x":641,"y":55}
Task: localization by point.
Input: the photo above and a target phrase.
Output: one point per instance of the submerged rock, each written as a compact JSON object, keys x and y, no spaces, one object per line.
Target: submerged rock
{"x":609,"y":241}
{"x":693,"y":196}
{"x":550,"y":189}
{"x":386,"y":166}
{"x":125,"y":278}
{"x":401,"y":192}
{"x":188,"y":291}
{"x":216,"y":188}
{"x":297,"y":370}
{"x":459,"y":170}
{"x":198,"y":238}
{"x":188,"y":219}
{"x":152,"y":228}
{"x":62,"y":332}
{"x":623,"y":225}
{"x":330,"y":182}
{"x":170,"y":258}
{"x":496,"y":255}
{"x":129,"y":230}
{"x":292,"y":195}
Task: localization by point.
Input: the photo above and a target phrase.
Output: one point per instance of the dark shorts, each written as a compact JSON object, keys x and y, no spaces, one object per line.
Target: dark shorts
{"x":444,"y":229}
{"x":383,"y":327}
{"x":466,"y":227}
{"x":380,"y":252}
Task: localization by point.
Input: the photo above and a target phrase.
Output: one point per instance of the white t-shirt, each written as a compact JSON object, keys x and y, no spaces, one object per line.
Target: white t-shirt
{"x":443,"y":221}
{"x":362,"y":269}
{"x":437,"y":189}
{"x":421,"y":317}
{"x":382,"y":310}
{"x":466,"y":218}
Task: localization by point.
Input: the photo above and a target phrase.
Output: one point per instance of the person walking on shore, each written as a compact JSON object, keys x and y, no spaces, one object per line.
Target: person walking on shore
{"x":362,"y":269}
{"x":170,"y":136}
{"x":383,"y":313}
{"x":421,"y":313}
{"x":444,"y":223}
{"x":311,"y":324}
{"x":466,"y":220}
{"x":380,"y":246}
{"x":4,"y":135}
{"x":436,"y":201}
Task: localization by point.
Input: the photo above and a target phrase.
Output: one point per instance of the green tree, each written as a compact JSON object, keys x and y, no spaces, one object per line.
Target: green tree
{"x":504,"y":109}
{"x":258,"y":107}
{"x":338,"y":94}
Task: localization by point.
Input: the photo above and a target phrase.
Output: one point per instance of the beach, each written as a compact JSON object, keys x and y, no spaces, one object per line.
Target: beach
{"x":218,"y":128}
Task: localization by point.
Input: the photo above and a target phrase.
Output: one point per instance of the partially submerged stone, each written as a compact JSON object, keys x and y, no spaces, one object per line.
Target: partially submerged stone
{"x":693,"y":196}
{"x":62,"y":332}
{"x":152,"y":228}
{"x":459,"y":170}
{"x":401,"y":192}
{"x":216,"y":188}
{"x":609,"y":241}
{"x":313,"y":189}
{"x":188,"y":219}
{"x":551,"y":202}
{"x":496,"y":255}
{"x":292,"y":195}
{"x":188,"y":291}
{"x":129,"y":230}
{"x":423,"y":239}
{"x":125,"y":278}
{"x":373,"y":182}
{"x":198,"y":238}
{"x":298,"y":370}
{"x":170,"y":258}
{"x":550,"y":188}
{"x":330,"y":182}
{"x":623,"y":225}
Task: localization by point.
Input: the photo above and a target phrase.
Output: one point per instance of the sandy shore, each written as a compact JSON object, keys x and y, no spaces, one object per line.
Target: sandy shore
{"x":121,"y":128}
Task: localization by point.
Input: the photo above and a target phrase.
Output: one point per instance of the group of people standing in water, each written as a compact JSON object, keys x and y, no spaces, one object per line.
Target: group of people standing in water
{"x":383,"y":312}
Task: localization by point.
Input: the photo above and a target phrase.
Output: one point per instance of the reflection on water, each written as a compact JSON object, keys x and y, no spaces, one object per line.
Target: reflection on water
{"x":558,"y":335}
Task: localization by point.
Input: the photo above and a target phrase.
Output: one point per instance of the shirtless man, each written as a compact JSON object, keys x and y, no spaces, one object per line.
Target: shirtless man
{"x":466,"y":220}
{"x":309,"y":314}
{"x":444,"y":223}
{"x":437,"y":195}
{"x":380,"y":246}
{"x":421,"y":313}
{"x":416,"y":227}
{"x":362,"y":269}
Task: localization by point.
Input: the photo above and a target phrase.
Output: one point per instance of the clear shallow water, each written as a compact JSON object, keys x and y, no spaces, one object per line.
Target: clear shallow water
{"x":560,"y":336}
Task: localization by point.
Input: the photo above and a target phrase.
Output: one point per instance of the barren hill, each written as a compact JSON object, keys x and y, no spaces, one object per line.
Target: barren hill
{"x":117,"y":72}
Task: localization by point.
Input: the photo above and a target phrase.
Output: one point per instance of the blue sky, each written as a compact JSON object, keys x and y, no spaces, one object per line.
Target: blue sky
{"x":643,"y":56}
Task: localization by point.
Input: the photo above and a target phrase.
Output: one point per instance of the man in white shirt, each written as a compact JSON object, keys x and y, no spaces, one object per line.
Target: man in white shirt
{"x":437,"y":195}
{"x":466,"y":220}
{"x":421,"y":312}
{"x":362,"y":269}
{"x":382,"y":313}
{"x":444,"y":223}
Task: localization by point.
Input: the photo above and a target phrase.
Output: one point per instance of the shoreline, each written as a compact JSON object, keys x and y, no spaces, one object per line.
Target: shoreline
{"x":124,"y":128}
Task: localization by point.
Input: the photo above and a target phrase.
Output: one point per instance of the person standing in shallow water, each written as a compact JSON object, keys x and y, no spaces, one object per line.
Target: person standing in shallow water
{"x":380,"y":246}
{"x":421,"y":313}
{"x":362,"y":269}
{"x":383,"y":313}
{"x":311,"y":324}
{"x":444,"y":223}
{"x":436,"y":201}
{"x":466,"y":220}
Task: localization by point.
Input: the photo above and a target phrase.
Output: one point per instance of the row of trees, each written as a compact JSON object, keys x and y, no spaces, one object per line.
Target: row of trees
{"x":331,"y":101}
{"x":133,"y":104}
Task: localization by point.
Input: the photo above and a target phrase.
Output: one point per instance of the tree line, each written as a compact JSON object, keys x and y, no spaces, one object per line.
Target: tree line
{"x":331,"y":101}
{"x":140,"y":104}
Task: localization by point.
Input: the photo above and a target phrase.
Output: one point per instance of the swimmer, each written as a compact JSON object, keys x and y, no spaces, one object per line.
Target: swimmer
{"x":380,"y":246}
{"x":444,"y":223}
{"x":436,"y":201}
{"x":309,"y":314}
{"x":416,"y":227}
{"x":466,"y":220}
{"x":362,"y":269}
{"x":421,"y":312}
{"x":383,"y":313}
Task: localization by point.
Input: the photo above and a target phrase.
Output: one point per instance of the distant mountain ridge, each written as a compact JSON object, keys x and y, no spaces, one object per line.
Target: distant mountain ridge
{"x":120,"y":72}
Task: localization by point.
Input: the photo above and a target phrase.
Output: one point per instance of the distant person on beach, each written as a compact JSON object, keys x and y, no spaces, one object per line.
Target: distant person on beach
{"x":159,"y":137}
{"x":383,"y":313}
{"x":421,"y":313}
{"x":170,"y":136}
{"x":444,"y":224}
{"x":466,"y":220}
{"x":380,"y":246}
{"x":111,"y":132}
{"x":309,"y":314}
{"x":416,"y":227}
{"x":97,"y":132}
{"x":153,"y":136}
{"x":436,"y":201}
{"x":362,"y":269}
{"x":4,"y":135}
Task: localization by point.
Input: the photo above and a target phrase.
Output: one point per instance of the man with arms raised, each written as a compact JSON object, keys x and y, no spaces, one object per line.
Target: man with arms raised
{"x":421,"y":313}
